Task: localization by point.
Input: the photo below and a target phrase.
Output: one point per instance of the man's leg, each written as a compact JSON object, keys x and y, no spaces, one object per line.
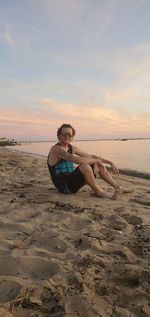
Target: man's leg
{"x":106,"y":176}
{"x":91,"y":181}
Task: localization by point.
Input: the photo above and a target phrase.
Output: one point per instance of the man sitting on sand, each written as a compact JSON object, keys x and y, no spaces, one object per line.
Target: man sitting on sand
{"x":68,"y":179}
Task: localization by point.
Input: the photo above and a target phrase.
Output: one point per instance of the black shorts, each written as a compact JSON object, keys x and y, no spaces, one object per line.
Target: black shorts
{"x":76,"y":180}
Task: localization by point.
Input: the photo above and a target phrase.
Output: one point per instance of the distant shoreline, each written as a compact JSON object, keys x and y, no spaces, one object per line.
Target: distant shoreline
{"x":85,"y":140}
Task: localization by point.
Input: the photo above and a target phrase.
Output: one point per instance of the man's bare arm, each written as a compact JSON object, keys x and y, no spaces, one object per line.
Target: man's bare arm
{"x":61,"y":153}
{"x":81,"y":153}
{"x":105,"y":161}
{"x":92,"y":156}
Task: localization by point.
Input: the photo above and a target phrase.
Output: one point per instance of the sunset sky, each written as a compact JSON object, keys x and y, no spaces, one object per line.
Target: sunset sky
{"x":84,"y":62}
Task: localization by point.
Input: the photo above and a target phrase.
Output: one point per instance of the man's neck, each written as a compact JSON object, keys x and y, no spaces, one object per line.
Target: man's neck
{"x":64,"y":145}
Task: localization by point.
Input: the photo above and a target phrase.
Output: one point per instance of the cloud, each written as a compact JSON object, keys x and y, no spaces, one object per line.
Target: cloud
{"x":133,"y":62}
{"x":9,"y":39}
{"x":93,"y":122}
{"x":97,"y":118}
{"x":79,"y":22}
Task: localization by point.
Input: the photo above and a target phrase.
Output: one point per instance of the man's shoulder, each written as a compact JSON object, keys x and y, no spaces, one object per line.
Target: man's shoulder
{"x":55,"y":147}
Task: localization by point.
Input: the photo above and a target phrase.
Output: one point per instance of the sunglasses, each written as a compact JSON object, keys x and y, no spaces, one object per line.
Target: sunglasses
{"x":67,"y":134}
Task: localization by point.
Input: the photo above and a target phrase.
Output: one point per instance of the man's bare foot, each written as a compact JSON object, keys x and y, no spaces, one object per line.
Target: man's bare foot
{"x":112,"y":196}
{"x":104,"y":195}
{"x":122,"y":190}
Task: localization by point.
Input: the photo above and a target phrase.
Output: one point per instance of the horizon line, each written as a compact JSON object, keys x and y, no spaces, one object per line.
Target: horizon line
{"x":102,"y":139}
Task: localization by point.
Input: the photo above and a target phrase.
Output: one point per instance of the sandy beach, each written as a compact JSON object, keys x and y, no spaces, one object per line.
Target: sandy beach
{"x":71,"y":255}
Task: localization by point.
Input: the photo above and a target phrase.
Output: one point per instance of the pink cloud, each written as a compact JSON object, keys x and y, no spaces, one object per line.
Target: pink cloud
{"x":92,"y":121}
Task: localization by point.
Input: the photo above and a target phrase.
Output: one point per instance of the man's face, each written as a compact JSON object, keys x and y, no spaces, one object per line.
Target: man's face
{"x":66,"y":135}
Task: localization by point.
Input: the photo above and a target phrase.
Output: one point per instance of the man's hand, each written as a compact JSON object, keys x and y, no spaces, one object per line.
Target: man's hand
{"x":115,"y":170}
{"x":101,"y":165}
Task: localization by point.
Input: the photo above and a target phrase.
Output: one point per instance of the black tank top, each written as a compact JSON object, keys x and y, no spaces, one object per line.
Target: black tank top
{"x":60,"y":171}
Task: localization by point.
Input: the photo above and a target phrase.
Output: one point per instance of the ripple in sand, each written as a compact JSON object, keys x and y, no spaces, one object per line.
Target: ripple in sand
{"x":9,"y":290}
{"x":36,"y":267}
{"x":12,"y":235}
{"x":6,"y":245}
{"x":4,"y":252}
{"x":10,"y":231}
{"x":6,"y":207}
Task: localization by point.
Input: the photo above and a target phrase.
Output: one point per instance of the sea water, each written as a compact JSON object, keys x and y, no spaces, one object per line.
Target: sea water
{"x":128,"y":154}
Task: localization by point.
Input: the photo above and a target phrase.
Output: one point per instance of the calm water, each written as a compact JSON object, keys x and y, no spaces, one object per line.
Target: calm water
{"x":131,"y":154}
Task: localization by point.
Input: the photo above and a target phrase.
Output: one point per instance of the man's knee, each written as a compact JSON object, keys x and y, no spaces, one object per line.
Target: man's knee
{"x":85,"y":168}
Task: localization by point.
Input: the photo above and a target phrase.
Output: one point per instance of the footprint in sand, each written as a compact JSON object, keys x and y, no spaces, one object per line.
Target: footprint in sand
{"x":9,"y":266}
{"x":137,"y":303}
{"x":81,"y":306}
{"x":49,"y":241}
{"x":127,"y":275}
{"x":33,"y":267}
{"x":9,"y":290}
{"x":132,"y":219}
{"x":38,"y":268}
{"x":117,"y":222}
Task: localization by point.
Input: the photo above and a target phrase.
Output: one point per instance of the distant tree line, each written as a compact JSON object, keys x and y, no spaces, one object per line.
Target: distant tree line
{"x":5,"y":141}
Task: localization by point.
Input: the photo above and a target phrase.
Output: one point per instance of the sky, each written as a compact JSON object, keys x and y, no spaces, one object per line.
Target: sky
{"x":83,"y":62}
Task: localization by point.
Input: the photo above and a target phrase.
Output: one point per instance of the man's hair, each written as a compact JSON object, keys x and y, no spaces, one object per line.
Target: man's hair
{"x":66,"y":125}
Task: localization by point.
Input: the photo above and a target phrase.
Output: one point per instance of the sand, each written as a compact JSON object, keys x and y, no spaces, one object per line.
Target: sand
{"x":71,"y":255}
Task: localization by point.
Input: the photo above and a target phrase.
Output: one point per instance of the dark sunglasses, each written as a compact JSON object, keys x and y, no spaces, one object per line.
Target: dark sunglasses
{"x":67,"y":134}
